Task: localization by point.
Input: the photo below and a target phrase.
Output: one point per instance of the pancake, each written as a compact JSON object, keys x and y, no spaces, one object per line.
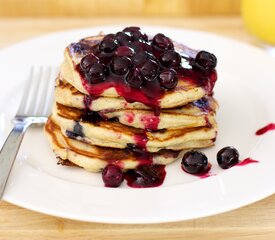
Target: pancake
{"x":194,"y":114}
{"x":182,"y":94}
{"x":117,"y":135}
{"x":93,"y":158}
{"x":186,"y":91}
{"x":123,"y":99}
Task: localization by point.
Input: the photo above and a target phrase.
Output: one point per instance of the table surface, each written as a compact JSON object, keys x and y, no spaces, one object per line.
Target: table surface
{"x":256,"y":221}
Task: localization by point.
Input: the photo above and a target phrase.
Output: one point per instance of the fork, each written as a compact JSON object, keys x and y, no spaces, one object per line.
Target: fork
{"x":34,"y":108}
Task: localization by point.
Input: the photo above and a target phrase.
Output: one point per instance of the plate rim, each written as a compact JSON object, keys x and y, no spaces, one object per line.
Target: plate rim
{"x":120,"y":221}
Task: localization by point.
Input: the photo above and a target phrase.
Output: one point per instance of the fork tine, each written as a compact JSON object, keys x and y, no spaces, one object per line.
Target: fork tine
{"x":38,"y":92}
{"x":33,"y":92}
{"x":22,"y":108}
{"x":50,"y":96}
{"x":50,"y":99}
{"x":43,"y":90}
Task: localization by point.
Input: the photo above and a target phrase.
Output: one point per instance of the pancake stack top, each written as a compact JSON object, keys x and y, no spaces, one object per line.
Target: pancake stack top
{"x":128,"y":101}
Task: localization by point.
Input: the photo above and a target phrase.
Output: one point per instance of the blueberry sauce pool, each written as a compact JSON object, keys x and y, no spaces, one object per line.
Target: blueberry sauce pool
{"x":141,"y":69}
{"x":246,"y":162}
{"x":145,"y":176}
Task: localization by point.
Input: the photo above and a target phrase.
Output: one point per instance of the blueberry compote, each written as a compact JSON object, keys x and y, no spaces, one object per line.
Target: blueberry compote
{"x":141,"y":69}
{"x":112,"y":176}
{"x":227,"y":157}
{"x":145,"y":176}
{"x":195,"y":162}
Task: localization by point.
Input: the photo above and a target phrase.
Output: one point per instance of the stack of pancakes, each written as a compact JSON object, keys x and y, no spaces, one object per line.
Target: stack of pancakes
{"x":92,"y":131}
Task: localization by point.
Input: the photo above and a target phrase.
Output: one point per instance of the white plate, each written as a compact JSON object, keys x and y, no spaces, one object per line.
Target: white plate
{"x":245,"y":91}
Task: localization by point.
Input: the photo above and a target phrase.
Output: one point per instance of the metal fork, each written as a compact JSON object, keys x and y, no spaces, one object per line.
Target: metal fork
{"x":34,"y":108}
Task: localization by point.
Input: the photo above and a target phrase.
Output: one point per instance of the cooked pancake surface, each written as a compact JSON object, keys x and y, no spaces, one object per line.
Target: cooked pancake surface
{"x":94,"y":158}
{"x":117,"y":135}
{"x":195,"y":114}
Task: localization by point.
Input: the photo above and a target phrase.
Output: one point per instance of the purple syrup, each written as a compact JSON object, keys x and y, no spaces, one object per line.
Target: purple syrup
{"x":150,"y":122}
{"x":198,"y":78}
{"x":87,"y":101}
{"x":141,"y":140}
{"x":208,"y":124}
{"x":246,"y":162}
{"x":268,"y":127}
{"x":145,"y":176}
{"x":146,"y":85}
{"x":204,"y":174}
{"x":140,"y":154}
{"x":92,"y":116}
{"x":128,"y":93}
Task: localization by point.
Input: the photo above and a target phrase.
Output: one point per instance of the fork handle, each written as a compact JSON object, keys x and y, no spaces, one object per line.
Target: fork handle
{"x":9,"y":151}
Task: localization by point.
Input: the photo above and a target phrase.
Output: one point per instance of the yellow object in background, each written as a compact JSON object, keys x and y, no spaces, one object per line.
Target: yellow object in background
{"x":259,"y":18}
{"x":118,"y":8}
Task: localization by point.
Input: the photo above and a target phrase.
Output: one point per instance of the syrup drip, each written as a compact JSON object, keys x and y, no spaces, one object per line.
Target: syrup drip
{"x":267,"y":128}
{"x":142,"y":156}
{"x":88,"y":101}
{"x":246,"y":162}
{"x":204,"y":174}
{"x":123,"y":89}
{"x":207,"y":173}
{"x":141,"y":140}
{"x":208,"y":124}
{"x":199,"y":79}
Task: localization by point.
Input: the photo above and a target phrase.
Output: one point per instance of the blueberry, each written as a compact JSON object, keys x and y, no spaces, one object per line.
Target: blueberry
{"x":140,"y":46}
{"x":203,"y":104}
{"x":78,"y":130}
{"x":124,"y":51}
{"x":140,"y":58}
{"x":81,"y":48}
{"x":206,"y":60}
{"x":134,"y":78}
{"x":88,"y":61}
{"x":162,"y":42}
{"x":168,"y":79}
{"x":108,"y":45}
{"x":110,"y":36}
{"x":112,"y":176}
{"x":194,"y":162}
{"x":123,"y":37}
{"x":170,"y":59}
{"x":121,"y":65}
{"x":227,"y":157}
{"x":146,"y":175}
{"x":97,"y":73}
{"x":136,"y":34}
{"x":149,"y":69}
{"x":92,"y":116}
{"x":131,"y":29}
